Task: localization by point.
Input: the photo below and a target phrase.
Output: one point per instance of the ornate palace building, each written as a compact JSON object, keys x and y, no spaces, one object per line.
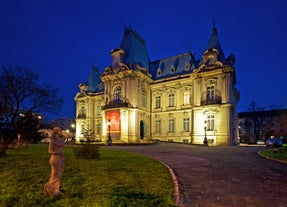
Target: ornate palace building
{"x":174,"y":99}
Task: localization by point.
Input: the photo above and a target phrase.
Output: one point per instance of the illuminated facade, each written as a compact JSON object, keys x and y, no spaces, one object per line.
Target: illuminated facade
{"x":175,"y":99}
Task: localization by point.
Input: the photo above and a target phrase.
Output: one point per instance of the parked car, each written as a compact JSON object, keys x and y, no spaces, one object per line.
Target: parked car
{"x":260,"y":142}
{"x":274,"y":142}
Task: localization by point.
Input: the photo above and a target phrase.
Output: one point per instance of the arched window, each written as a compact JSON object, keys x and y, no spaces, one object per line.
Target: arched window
{"x":172,"y":69}
{"x":159,"y":72}
{"x":82,"y":112}
{"x":186,"y":98}
{"x":210,"y":94}
{"x":171,"y":100}
{"x":117,"y":94}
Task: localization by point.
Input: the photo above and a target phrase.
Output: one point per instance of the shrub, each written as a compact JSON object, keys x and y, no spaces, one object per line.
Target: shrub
{"x":87,"y":151}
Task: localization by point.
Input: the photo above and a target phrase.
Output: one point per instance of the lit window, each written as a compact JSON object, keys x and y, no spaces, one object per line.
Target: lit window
{"x":186,"y":97}
{"x":157,"y":102}
{"x":210,"y":122}
{"x":186,"y":124}
{"x":117,"y":94}
{"x":171,"y":125}
{"x":157,"y":126}
{"x":171,"y":100}
{"x":210,"y":94}
{"x":82,"y":112}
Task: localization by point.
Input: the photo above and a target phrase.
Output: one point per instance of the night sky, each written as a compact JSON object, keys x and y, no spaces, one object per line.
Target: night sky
{"x":62,"y":40}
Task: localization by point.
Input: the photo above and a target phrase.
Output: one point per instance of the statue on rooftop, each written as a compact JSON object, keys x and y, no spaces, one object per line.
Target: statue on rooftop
{"x":57,"y":162}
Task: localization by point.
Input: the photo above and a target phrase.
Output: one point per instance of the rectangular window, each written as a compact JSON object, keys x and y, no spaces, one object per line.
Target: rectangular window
{"x":98,"y":128}
{"x":171,"y":125}
{"x":186,"y":124}
{"x":186,"y":98}
{"x":98,"y":110}
{"x":157,"y":126}
{"x":210,"y":123}
{"x":210,"y":94}
{"x":157,"y":102}
{"x":171,"y":100}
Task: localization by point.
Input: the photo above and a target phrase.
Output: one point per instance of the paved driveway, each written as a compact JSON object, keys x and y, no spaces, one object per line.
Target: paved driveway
{"x":221,"y":176}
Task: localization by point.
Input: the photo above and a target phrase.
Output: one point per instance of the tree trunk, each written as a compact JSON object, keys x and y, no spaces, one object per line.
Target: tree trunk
{"x":3,"y":149}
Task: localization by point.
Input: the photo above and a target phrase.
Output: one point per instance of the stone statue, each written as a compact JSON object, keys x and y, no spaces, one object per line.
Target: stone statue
{"x":57,"y":162}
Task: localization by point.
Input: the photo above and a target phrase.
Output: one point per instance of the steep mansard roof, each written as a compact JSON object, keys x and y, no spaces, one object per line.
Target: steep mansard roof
{"x":136,"y":53}
{"x":135,"y":48}
{"x":94,"y":82}
{"x":172,"y":66}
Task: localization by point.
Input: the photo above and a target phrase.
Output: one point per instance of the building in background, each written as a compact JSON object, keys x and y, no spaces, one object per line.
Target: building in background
{"x":175,"y":99}
{"x":261,"y":125}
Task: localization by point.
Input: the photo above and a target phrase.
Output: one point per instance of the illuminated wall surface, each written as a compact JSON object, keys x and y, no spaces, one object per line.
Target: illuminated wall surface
{"x":175,"y":99}
{"x":115,"y":120}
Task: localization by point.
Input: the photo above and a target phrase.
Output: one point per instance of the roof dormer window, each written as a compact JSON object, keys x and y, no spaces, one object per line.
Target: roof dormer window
{"x":187,"y":65}
{"x":159,"y":72}
{"x":172,"y":69}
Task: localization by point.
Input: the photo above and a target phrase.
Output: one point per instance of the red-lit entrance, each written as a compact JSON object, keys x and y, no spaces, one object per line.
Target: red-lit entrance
{"x":115,"y":118}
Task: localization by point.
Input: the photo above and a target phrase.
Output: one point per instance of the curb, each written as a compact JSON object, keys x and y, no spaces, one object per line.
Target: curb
{"x":270,"y":158}
{"x":175,"y":183}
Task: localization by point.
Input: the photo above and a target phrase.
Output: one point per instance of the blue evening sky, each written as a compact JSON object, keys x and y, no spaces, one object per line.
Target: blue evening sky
{"x":61,"y":39}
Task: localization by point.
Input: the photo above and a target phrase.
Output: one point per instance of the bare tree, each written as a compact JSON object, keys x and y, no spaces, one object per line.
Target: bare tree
{"x":20,"y":90}
{"x":257,"y":118}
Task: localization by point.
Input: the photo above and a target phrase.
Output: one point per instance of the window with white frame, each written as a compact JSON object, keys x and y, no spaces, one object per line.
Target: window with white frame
{"x":186,"y":124}
{"x":171,"y":125}
{"x":210,"y":94}
{"x":171,"y":100}
{"x":186,"y":97}
{"x":157,"y":125}
{"x":210,"y":122}
{"x":117,"y":94}
{"x":157,"y":102}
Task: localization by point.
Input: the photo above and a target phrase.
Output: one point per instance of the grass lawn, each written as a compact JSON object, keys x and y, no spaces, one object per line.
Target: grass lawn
{"x":277,"y":153}
{"x":116,"y":179}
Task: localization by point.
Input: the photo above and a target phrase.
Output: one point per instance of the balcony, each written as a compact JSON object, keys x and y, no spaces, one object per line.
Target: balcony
{"x":117,"y":104}
{"x":214,"y":100}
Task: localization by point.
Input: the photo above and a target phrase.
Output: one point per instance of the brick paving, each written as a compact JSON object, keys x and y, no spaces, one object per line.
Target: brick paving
{"x":221,"y":176}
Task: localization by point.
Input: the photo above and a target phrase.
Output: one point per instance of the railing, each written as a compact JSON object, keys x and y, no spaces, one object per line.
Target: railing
{"x":116,"y":104}
{"x":214,"y":100}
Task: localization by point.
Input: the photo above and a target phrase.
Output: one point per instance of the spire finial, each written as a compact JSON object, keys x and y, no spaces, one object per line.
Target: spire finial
{"x":214,"y":31}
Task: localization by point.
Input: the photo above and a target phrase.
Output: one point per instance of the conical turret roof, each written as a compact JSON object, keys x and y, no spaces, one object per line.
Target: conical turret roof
{"x":215,"y":43}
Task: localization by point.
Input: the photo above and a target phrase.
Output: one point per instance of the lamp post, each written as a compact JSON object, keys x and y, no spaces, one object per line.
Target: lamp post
{"x":109,"y":141}
{"x":205,"y":143}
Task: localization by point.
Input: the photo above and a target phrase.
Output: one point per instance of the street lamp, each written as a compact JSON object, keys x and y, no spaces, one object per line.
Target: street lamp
{"x":109,"y":141}
{"x":205,"y":143}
